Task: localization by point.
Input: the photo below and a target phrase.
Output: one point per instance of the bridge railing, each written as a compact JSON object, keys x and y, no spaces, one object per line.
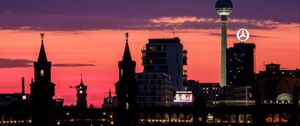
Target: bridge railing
{"x":214,"y":103}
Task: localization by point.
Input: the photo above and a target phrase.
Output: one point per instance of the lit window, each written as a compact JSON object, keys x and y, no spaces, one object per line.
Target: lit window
{"x":152,"y":48}
{"x":24,"y":97}
{"x":121,"y":72}
{"x":42,"y":72}
{"x":127,"y":106}
{"x":80,"y":91}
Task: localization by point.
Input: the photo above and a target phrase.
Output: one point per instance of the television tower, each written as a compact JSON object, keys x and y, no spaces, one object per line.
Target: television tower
{"x":223,"y":8}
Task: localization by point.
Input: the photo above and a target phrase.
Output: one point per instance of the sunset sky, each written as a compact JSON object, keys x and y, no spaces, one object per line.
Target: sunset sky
{"x":87,"y":37}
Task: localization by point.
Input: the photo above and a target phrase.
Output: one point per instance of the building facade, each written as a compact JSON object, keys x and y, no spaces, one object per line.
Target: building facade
{"x":277,"y":85}
{"x":240,"y":64}
{"x":165,"y":56}
{"x":155,"y":89}
{"x":278,"y":89}
{"x":207,"y":91}
{"x":239,"y":93}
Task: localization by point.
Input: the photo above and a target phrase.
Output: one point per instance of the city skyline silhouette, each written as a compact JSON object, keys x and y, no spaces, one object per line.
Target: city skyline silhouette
{"x":149,"y":63}
{"x":94,"y":53}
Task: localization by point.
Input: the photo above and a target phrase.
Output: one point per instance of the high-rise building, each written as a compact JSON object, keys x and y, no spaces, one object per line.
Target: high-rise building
{"x":126,"y":90}
{"x":224,"y":8}
{"x":165,"y":56}
{"x":42,"y":91}
{"x":155,"y":89}
{"x":240,"y":64}
{"x":81,"y":95}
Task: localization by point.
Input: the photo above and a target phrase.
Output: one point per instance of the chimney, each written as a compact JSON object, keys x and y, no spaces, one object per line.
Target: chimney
{"x":23,"y":85}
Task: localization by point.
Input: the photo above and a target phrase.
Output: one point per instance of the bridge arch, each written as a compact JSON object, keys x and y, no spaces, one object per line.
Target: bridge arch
{"x":173,"y":117}
{"x":166,"y":118}
{"x":284,"y":97}
{"x":241,"y":118}
{"x":233,"y":118}
{"x":189,"y":117}
{"x":181,"y":117}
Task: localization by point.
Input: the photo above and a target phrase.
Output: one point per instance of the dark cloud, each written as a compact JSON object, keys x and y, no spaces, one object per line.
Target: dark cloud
{"x":234,"y":35}
{"x":70,"y":15}
{"x":72,"y":65}
{"x":193,"y":23}
{"x":13,"y":63}
{"x":10,"y":63}
{"x":73,"y":23}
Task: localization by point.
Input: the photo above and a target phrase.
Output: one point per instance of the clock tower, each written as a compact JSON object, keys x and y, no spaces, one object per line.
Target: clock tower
{"x":42,"y":91}
{"x":81,"y":95}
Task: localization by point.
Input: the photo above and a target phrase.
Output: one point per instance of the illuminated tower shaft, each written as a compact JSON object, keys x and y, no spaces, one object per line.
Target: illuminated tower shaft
{"x":224,"y":8}
{"x":223,"y":50}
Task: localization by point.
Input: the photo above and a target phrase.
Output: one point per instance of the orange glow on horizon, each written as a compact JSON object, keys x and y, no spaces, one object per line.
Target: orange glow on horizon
{"x":104,"y":48}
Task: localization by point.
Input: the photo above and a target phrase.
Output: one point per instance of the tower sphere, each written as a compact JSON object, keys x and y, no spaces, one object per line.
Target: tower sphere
{"x":224,"y":7}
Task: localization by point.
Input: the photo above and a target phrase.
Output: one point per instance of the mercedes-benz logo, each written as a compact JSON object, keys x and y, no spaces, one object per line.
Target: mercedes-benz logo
{"x":242,"y":35}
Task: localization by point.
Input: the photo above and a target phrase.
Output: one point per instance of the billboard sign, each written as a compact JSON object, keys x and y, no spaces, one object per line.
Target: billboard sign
{"x":183,"y":96}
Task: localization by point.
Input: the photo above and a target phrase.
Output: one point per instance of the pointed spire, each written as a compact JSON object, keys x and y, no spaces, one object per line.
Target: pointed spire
{"x":109,"y":94}
{"x":81,"y":82}
{"x":42,"y":55}
{"x":81,"y":78}
{"x":127,"y":55}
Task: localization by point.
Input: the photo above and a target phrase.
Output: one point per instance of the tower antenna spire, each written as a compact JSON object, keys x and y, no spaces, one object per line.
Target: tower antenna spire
{"x":81,"y":77}
{"x":109,"y":95}
{"x":127,"y":36}
{"x":173,"y":33}
{"x":42,"y":36}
